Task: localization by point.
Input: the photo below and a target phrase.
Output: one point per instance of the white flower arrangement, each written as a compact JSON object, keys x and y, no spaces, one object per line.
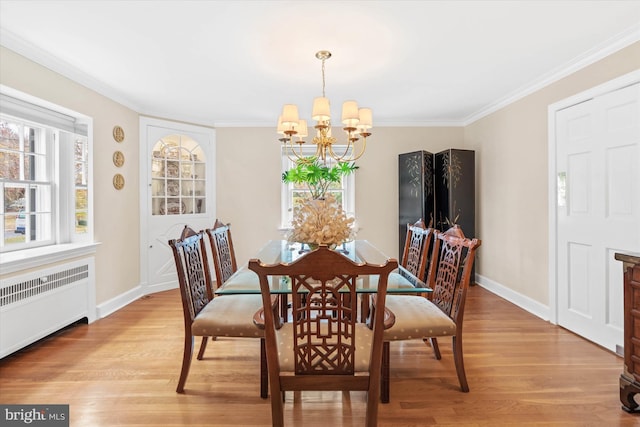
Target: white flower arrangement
{"x":321,"y":222}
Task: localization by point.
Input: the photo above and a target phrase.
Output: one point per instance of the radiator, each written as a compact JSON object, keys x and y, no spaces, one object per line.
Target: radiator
{"x":41,"y":302}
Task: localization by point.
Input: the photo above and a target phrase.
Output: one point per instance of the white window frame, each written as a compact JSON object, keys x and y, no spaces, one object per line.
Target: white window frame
{"x":286,"y":199}
{"x":61,"y":125}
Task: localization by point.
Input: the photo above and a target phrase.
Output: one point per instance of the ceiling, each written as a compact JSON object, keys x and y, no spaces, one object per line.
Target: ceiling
{"x":235,"y":63}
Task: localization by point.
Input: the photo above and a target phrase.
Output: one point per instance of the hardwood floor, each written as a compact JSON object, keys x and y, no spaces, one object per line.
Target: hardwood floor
{"x":123,"y":370}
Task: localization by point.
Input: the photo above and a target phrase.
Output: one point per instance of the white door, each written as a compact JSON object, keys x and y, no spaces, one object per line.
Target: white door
{"x":598,"y":211}
{"x":177,"y":172}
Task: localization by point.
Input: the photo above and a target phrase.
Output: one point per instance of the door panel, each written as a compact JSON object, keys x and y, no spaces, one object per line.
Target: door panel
{"x":579,"y":287}
{"x":598,"y":147}
{"x":179,"y":191}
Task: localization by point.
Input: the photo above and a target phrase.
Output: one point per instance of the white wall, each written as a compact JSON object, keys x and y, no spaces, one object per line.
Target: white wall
{"x":116,"y":213}
{"x":248,"y":182}
{"x":512,"y":178}
{"x":511,"y":164}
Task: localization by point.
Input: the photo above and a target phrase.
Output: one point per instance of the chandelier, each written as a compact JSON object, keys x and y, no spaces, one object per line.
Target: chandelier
{"x":357,"y":123}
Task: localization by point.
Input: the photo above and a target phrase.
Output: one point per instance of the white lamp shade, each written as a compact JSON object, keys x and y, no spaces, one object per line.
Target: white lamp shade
{"x":321,"y":110}
{"x":366,"y":119}
{"x":350,"y":116}
{"x":290,"y":116}
{"x":302,"y":129}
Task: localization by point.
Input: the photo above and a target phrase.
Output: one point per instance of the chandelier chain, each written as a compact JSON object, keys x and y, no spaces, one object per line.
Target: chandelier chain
{"x":323,"y":95}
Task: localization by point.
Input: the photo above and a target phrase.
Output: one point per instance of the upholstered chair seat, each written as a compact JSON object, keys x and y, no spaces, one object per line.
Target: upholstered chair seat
{"x":229,"y":316}
{"x":286,"y":355}
{"x":417,"y":318}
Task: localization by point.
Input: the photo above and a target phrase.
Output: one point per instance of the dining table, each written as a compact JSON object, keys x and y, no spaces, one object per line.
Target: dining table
{"x":400,"y":281}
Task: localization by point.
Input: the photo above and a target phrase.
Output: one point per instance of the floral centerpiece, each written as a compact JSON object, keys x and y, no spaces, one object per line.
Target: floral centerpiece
{"x":319,"y":219}
{"x":321,"y":222}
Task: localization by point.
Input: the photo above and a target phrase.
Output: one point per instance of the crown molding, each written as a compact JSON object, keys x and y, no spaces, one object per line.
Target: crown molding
{"x":44,"y":58}
{"x":429,"y":123}
{"x":40,"y":56}
{"x":600,"y":51}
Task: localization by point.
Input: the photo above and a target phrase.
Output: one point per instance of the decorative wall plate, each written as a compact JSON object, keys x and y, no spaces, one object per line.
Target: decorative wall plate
{"x":118,"y":158}
{"x":118,"y":181}
{"x":118,"y":133}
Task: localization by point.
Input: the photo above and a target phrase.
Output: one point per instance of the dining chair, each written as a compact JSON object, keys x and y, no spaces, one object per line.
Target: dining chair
{"x":441,"y":313}
{"x":323,"y":347}
{"x":225,"y":265}
{"x":416,"y":249}
{"x":206,"y":316}
{"x":223,"y":254}
{"x":414,"y":260}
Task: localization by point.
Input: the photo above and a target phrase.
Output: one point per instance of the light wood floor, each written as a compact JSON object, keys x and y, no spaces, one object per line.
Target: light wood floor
{"x":122,"y":371}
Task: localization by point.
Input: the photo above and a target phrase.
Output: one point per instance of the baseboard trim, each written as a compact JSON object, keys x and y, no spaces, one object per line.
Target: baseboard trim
{"x":116,"y":303}
{"x":522,"y":301}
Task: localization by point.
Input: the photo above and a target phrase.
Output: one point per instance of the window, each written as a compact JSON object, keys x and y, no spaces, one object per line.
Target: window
{"x":178,"y":176}
{"x":44,"y":176}
{"x":292,"y":194}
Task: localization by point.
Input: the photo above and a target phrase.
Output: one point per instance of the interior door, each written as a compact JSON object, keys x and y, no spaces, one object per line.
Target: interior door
{"x":598,"y":211}
{"x":177,"y":168}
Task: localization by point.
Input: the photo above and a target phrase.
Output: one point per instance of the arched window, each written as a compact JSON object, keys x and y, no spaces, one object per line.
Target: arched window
{"x":178,"y":172}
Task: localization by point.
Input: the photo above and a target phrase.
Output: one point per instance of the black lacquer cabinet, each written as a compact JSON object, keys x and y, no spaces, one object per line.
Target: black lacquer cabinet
{"x":437,"y":187}
{"x":416,"y":197}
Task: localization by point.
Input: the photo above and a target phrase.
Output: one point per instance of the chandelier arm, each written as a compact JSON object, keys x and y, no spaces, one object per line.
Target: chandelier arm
{"x":289,"y":148}
{"x":364,"y":146}
{"x":341,"y":158}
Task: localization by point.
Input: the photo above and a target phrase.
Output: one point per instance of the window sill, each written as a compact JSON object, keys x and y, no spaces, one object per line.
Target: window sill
{"x":30,"y":258}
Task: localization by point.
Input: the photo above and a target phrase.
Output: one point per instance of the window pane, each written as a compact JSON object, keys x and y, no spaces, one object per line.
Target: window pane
{"x":9,"y":165}
{"x":13,"y":198}
{"x":81,"y":199}
{"x":29,"y":173}
{"x":81,"y":211}
{"x":80,"y":150}
{"x":81,"y":222}
{"x":9,"y":136}
{"x":28,"y":168}
{"x":14,"y":228}
{"x":79,"y":173}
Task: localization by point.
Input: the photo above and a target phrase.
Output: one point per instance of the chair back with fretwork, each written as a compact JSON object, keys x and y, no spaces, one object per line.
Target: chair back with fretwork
{"x":323,"y":347}
{"x":416,"y":248}
{"x":223,"y":254}
{"x":193,"y":273}
{"x":204,"y":315}
{"x":450,"y":271}
{"x":441,"y":314}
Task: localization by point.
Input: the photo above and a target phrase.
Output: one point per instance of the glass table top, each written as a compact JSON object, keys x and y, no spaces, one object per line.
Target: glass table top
{"x":244,"y":281}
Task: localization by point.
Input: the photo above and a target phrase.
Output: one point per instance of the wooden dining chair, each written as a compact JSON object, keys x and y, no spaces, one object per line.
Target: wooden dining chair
{"x":225,"y":265}
{"x":223,"y":254}
{"x":206,"y":316}
{"x":323,"y":347}
{"x":414,"y":260}
{"x":441,"y":314}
